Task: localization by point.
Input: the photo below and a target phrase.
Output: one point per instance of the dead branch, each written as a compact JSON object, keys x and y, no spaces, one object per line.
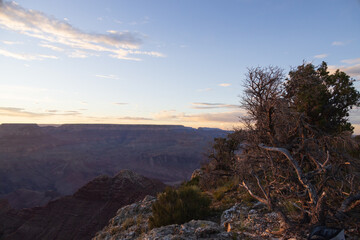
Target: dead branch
{"x":303,"y":180}
{"x":260,"y":199}
{"x":345,"y":206}
{"x":261,"y":187}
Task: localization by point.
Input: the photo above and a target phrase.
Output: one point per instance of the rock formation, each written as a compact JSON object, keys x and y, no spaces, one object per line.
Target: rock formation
{"x":131,"y":222}
{"x":241,"y":221}
{"x":78,"y":216}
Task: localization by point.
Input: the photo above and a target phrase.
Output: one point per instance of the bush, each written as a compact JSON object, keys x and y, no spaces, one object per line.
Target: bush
{"x":179,"y":206}
{"x":193,"y":182}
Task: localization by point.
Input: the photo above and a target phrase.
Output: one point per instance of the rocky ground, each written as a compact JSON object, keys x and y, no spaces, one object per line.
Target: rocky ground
{"x":240,"y":221}
{"x":237,"y":222}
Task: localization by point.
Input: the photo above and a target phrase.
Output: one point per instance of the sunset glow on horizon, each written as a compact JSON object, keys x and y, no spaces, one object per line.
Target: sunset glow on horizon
{"x":160,"y":62}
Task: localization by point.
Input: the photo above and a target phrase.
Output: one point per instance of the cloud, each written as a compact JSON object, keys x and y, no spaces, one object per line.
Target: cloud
{"x":11,"y":43}
{"x":72,"y":113}
{"x":222,"y":117}
{"x":22,"y":113}
{"x":352,"y":69}
{"x":120,"y":103}
{"x":38,"y":25}
{"x":79,"y":54}
{"x":224,"y":84}
{"x":52,"y":47}
{"x":152,"y":53}
{"x":19,"y":112}
{"x":337,"y":43}
{"x":108,"y":76}
{"x":197,"y":105}
{"x":320,"y":56}
{"x":225,"y":120}
{"x":135,"y":118}
{"x":351,"y":61}
{"x":26,"y":57}
{"x":227,"y":117}
{"x":169,"y":115}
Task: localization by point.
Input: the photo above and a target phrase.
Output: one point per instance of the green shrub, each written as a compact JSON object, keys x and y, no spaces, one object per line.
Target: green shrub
{"x":192,"y":182}
{"x":179,"y":206}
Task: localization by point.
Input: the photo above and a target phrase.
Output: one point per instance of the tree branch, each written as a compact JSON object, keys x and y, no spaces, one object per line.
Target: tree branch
{"x":260,"y":199}
{"x":348,"y":201}
{"x":303,"y":180}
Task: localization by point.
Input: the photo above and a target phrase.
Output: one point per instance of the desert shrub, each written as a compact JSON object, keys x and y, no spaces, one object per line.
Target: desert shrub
{"x":225,"y":186}
{"x":219,"y":193}
{"x":223,"y":151}
{"x":179,"y":206}
{"x":193,"y":182}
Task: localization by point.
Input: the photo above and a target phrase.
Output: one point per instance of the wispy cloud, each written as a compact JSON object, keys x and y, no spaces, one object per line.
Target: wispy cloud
{"x":26,"y":57}
{"x":222,"y":117}
{"x":79,"y":54}
{"x":227,"y":117}
{"x":120,"y":103}
{"x":224,"y":84}
{"x":135,"y":118}
{"x":198,"y":105}
{"x":52,"y":47}
{"x":11,"y":43}
{"x":22,"y":113}
{"x":19,"y":112}
{"x":108,"y":76}
{"x":352,"y":68}
{"x":320,"y":56}
{"x":351,"y":61}
{"x":38,"y":25}
{"x":337,"y":43}
{"x":353,"y":71}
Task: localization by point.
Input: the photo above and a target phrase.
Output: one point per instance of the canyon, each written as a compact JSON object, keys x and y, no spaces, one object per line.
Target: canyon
{"x":43,"y":163}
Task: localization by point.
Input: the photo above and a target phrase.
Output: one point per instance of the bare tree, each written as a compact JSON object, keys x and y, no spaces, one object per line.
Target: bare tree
{"x":288,"y":162}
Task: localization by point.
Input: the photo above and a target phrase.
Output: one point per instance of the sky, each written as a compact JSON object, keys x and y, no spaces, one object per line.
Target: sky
{"x":160,"y":61}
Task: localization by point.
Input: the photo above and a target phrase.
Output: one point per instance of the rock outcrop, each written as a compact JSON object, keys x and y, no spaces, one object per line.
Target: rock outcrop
{"x":238,"y":222}
{"x":78,"y":216}
{"x":131,"y":222}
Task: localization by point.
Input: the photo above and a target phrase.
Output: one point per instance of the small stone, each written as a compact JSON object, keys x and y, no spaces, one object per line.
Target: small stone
{"x":252,"y":211}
